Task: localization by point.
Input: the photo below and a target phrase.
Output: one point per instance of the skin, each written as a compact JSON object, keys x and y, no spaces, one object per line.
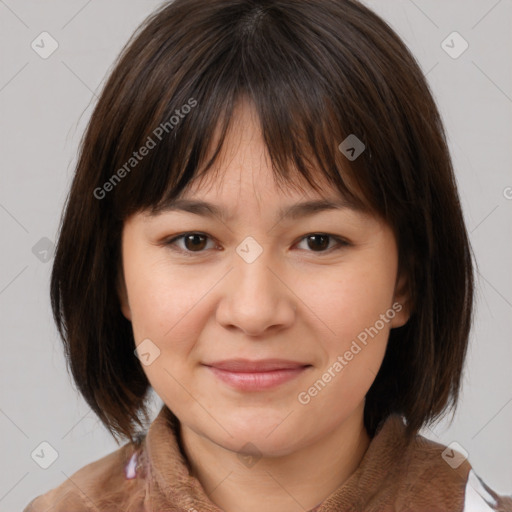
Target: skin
{"x":294,"y":301}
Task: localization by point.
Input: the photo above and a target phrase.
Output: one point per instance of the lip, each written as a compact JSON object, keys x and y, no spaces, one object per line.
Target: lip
{"x":247,"y":375}
{"x":250,"y":366}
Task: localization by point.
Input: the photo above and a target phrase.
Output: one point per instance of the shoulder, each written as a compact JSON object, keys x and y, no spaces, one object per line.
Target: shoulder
{"x":435,"y":474}
{"x":111,"y":480}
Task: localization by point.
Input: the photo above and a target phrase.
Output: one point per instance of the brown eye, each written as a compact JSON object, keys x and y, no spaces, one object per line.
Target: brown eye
{"x":321,"y":243}
{"x":318,"y":242}
{"x":197,"y":243}
{"x":194,"y":242}
{"x":190,"y":243}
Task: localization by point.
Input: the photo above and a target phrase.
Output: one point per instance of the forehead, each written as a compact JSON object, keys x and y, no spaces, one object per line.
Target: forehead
{"x":244,"y":162}
{"x":251,"y":175}
{"x":292,"y":211}
{"x":229,"y":193}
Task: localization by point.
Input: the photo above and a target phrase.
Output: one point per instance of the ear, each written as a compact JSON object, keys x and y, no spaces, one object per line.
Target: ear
{"x":402,"y":303}
{"x":123,"y":294}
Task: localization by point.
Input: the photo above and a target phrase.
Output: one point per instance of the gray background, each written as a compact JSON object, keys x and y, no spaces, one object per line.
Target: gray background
{"x":45,"y":104}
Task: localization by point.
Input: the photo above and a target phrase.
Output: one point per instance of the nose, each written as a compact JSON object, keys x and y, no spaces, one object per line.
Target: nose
{"x":256,"y":298}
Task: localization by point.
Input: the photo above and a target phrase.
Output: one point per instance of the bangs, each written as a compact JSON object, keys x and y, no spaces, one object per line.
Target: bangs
{"x":177,"y":109}
{"x":296,"y":160}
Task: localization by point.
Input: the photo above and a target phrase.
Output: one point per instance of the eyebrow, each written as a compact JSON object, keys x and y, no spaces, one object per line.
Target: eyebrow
{"x":295,"y":211}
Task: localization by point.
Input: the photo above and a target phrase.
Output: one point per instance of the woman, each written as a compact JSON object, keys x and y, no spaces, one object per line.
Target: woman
{"x":264,"y":228}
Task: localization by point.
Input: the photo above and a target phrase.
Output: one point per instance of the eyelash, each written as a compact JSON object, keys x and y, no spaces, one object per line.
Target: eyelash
{"x":341,"y":243}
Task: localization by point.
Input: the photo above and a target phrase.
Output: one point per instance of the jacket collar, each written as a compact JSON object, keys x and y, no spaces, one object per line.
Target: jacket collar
{"x":171,"y":481}
{"x":375,"y":480}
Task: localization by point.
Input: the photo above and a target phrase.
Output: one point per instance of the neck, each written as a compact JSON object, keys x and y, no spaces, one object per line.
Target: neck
{"x":295,"y":482}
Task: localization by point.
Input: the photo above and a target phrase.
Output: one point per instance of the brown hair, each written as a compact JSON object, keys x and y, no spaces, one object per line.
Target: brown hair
{"x":316,"y":72}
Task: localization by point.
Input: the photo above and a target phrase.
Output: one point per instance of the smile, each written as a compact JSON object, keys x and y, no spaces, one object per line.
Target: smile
{"x":255,"y":376}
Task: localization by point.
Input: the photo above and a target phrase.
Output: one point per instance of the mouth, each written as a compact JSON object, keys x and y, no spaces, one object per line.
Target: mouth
{"x":247,"y":375}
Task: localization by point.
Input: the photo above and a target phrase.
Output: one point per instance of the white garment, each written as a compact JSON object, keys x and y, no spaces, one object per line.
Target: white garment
{"x":477,"y":497}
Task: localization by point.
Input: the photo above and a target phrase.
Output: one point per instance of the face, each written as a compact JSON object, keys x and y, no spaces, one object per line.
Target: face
{"x":319,"y":292}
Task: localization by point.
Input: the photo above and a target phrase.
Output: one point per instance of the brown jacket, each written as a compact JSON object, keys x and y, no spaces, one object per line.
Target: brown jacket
{"x":153,"y":476}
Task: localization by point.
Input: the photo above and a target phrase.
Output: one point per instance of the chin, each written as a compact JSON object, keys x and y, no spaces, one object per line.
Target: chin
{"x":257,"y":445}
{"x":263,"y":438}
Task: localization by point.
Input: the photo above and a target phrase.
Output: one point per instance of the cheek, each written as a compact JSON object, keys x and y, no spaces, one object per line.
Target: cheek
{"x":166,"y":309}
{"x":355,"y":313}
{"x":355,"y":307}
{"x":163,"y":301}
{"x":353,"y":299}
